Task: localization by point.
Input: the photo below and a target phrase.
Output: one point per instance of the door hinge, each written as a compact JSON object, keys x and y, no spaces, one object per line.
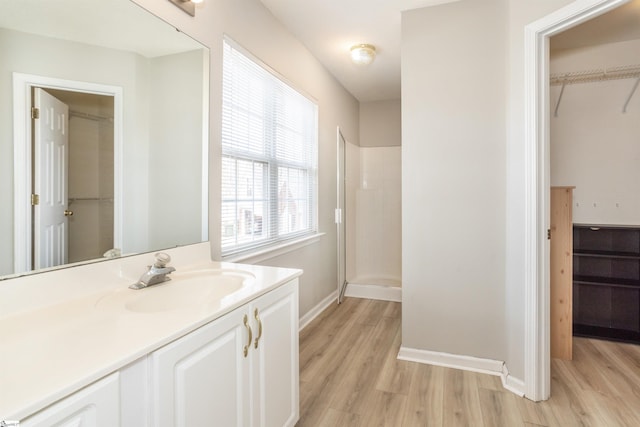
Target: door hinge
{"x":35,"y":199}
{"x":35,"y":113}
{"x":548,"y":234}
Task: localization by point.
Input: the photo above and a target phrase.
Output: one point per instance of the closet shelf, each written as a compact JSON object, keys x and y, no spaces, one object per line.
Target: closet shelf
{"x":596,"y":75}
{"x":589,"y":76}
{"x":606,"y":281}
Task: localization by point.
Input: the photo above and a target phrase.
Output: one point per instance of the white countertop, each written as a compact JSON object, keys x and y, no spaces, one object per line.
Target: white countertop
{"x":51,"y":351}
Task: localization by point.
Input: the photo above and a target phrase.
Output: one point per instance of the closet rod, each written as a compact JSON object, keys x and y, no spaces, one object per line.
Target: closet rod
{"x":95,"y":117}
{"x":589,"y":76}
{"x":90,"y":199}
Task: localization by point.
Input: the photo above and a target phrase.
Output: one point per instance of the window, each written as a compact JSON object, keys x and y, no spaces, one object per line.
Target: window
{"x":269,"y":157}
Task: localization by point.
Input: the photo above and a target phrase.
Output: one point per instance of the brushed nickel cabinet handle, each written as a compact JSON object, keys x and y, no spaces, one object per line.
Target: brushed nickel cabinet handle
{"x":255,"y":313}
{"x":246,"y":325}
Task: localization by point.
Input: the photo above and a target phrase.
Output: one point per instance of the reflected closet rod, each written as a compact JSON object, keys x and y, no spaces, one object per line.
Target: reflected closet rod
{"x":88,"y":116}
{"x":589,"y":76}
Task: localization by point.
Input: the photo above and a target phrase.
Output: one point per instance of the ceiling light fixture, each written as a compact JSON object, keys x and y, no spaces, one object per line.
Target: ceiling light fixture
{"x":187,"y":5}
{"x":363,"y":54}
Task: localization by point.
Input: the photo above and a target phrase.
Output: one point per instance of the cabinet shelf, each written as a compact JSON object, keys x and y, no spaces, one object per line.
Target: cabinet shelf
{"x":606,"y":254}
{"x":606,"y":282}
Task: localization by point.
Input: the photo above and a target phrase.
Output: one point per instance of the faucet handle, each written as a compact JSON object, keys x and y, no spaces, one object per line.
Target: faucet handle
{"x":162,"y":259}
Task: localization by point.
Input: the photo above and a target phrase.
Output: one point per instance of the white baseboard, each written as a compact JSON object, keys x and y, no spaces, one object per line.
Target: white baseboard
{"x":467,"y":363}
{"x":511,"y":383}
{"x":385,"y":293}
{"x":319,"y":308}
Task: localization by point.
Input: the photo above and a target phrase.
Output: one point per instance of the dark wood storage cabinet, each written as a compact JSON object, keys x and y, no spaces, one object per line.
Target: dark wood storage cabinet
{"x":606,"y":282}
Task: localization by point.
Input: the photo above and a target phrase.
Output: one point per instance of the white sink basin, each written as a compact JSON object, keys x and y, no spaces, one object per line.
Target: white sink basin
{"x":186,"y":291}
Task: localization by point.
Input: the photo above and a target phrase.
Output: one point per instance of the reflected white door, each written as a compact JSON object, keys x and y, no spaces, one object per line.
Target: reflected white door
{"x":51,"y":141}
{"x":341,"y":219}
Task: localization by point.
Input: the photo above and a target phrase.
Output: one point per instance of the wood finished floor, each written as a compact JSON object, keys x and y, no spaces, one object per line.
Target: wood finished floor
{"x":349,"y":376}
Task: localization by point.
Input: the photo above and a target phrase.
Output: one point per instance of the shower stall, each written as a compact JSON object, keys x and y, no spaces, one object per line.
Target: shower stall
{"x":370,"y":232}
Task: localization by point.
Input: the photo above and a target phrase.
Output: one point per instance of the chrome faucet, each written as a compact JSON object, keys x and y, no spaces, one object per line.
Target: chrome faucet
{"x":156,"y":273}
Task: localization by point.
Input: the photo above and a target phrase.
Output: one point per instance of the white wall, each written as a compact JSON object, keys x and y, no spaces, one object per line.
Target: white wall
{"x":454,"y":76}
{"x":380,"y":123}
{"x":352,"y":184}
{"x":253,"y":27}
{"x":378,"y":214}
{"x":594,"y":145}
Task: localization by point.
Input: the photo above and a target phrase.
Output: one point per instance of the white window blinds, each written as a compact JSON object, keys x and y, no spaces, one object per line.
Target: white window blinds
{"x":269,"y":157}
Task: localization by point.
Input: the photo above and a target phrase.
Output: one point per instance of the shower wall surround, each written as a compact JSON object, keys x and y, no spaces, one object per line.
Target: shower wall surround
{"x":378,"y":212}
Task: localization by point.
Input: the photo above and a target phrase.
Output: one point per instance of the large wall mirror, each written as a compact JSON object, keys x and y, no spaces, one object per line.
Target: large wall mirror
{"x":103,"y":133}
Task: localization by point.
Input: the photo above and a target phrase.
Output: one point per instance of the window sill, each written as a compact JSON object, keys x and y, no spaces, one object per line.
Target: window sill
{"x":276,"y":250}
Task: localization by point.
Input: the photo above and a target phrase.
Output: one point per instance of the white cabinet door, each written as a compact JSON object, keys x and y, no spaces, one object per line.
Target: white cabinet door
{"x":97,"y":405}
{"x":239,"y":370}
{"x":202,"y":379}
{"x":275,"y":376}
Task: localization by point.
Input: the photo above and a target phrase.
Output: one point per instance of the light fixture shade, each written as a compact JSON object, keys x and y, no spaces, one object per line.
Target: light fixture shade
{"x":363,"y":54}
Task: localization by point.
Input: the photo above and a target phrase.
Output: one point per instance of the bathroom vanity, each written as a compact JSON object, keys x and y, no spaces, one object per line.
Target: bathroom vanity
{"x":216,"y":344}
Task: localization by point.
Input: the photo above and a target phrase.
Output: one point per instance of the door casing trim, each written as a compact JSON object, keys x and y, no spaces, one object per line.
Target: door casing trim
{"x":537,"y":185}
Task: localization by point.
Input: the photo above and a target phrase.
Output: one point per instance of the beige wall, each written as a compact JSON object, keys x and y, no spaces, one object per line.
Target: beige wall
{"x":380,"y":123}
{"x":453,"y":174}
{"x":175,"y":128}
{"x":255,"y":29}
{"x":594,"y":145}
{"x":463,"y":224}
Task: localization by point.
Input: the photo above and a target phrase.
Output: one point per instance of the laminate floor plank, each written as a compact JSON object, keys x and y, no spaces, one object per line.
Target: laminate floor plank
{"x":360,"y":379}
{"x":386,"y":409}
{"x":396,"y":375}
{"x":461,"y":399}
{"x":316,"y":395}
{"x":332,"y":418}
{"x":375,"y":311}
{"x":425,"y":403}
{"x":499,"y":408}
{"x":351,"y":377}
{"x":328,"y":344}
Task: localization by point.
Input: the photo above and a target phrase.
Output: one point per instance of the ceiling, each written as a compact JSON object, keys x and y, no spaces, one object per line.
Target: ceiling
{"x":328,"y":28}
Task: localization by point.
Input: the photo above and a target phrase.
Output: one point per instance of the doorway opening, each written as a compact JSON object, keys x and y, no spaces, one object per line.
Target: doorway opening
{"x":90,"y":174}
{"x":368,"y":217}
{"x":68,"y":148}
{"x":537,"y":185}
